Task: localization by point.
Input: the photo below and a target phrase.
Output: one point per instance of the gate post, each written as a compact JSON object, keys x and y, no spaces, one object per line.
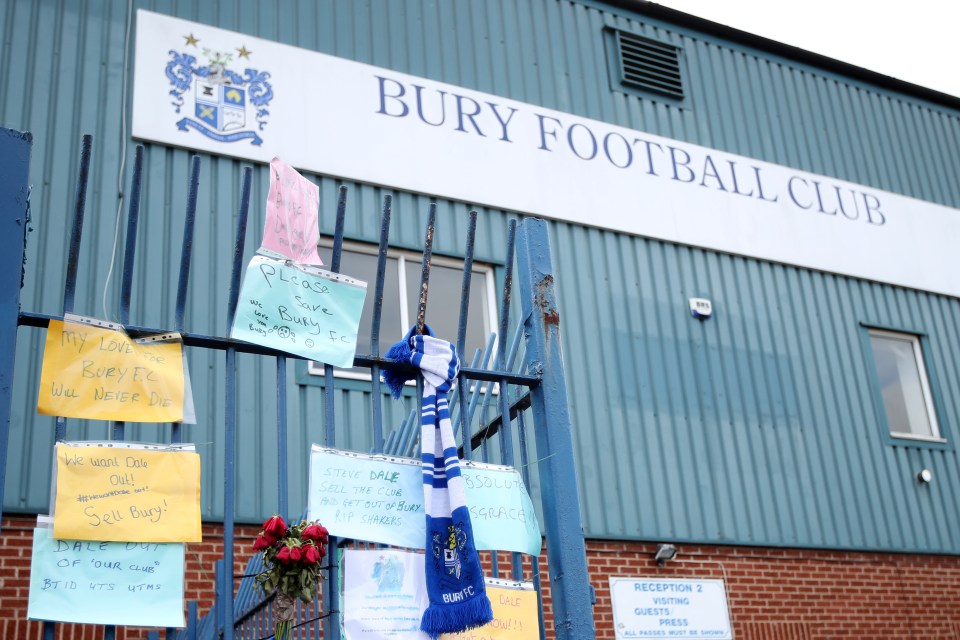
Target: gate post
{"x":14,"y":194}
{"x":566,"y":551}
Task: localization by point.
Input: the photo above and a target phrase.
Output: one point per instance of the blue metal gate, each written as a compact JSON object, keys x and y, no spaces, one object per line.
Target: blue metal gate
{"x":523,"y":389}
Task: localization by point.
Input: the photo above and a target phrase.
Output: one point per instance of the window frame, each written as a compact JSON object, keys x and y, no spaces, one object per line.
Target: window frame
{"x":929,"y":386}
{"x":314,"y":371}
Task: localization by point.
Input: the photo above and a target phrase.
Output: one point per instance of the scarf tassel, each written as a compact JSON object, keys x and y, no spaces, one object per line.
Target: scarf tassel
{"x":401,"y":352}
{"x":456,"y":617}
{"x":395,"y":378}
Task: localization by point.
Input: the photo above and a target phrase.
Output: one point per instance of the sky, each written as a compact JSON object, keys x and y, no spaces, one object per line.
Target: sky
{"x":914,"y":40}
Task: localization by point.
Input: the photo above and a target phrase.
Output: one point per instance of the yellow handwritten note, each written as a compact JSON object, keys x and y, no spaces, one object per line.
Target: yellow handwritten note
{"x":121,"y":494}
{"x":97,"y":373}
{"x":514,"y":616}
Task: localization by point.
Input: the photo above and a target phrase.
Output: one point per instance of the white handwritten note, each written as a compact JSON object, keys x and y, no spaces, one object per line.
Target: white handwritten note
{"x":380,"y":499}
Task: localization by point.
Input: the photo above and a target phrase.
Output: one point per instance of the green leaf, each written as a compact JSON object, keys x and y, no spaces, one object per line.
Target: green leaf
{"x":271,"y":584}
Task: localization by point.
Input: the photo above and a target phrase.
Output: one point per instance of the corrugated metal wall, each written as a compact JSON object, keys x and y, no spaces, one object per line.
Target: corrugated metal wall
{"x":756,"y":427}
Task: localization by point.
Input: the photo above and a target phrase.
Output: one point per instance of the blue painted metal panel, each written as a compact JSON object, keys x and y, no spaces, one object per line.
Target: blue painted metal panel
{"x":15,"y":205}
{"x":756,"y":427}
{"x":565,"y":545}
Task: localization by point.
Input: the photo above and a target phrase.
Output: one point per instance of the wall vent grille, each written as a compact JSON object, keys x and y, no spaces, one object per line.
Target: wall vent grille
{"x":649,"y":64}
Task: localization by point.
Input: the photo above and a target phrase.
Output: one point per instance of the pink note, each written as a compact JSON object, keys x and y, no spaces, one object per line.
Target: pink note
{"x":292,"y":224}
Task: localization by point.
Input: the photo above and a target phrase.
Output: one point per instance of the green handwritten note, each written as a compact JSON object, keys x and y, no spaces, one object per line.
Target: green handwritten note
{"x":121,"y":583}
{"x":302,"y":310}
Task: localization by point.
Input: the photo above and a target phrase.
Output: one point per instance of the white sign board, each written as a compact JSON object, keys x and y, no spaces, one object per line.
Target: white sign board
{"x":224,"y":92}
{"x":652,"y":608}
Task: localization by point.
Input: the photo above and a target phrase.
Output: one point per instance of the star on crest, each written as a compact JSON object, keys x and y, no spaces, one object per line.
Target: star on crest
{"x":243,"y":52}
{"x":191,"y":40}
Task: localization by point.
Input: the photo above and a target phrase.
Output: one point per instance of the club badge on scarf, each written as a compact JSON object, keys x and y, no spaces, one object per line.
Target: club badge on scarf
{"x":455,"y":586}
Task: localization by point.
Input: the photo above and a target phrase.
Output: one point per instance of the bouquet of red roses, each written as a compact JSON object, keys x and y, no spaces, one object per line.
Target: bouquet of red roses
{"x":291,"y":560}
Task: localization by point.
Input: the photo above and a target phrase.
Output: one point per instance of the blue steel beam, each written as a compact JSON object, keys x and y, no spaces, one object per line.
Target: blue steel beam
{"x":225,"y":594}
{"x":566,"y":551}
{"x":330,"y":431}
{"x":506,"y":437}
{"x":130,"y":248}
{"x":534,"y":560}
{"x":76,"y":231}
{"x":73,"y":256}
{"x":126,"y":282}
{"x":41,"y":320}
{"x":425,"y":270}
{"x":284,"y":480}
{"x":375,"y":322}
{"x":330,"y":593}
{"x":186,"y":253}
{"x":461,"y":424}
{"x":70,"y":283}
{"x":192,"y":620}
{"x":126,"y":287}
{"x":458,"y":397}
{"x":186,"y":250}
{"x":15,"y":209}
{"x":471,"y":407}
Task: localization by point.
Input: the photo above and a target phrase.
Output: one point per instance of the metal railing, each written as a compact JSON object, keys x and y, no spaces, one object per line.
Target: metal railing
{"x":523,"y":393}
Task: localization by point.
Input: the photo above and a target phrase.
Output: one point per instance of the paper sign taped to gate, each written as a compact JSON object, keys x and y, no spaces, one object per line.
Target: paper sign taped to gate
{"x":119,"y":583}
{"x":385,"y":595}
{"x":127,"y":495}
{"x":301,"y":310}
{"x":514,"y":614}
{"x":99,"y":373}
{"x":380,"y":499}
{"x":292,"y":226}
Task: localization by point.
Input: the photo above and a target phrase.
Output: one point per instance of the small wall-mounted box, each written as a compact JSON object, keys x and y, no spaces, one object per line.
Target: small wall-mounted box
{"x":701,"y":308}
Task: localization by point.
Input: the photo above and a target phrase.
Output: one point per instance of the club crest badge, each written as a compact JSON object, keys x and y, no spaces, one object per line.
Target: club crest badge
{"x":214,"y":99}
{"x":449,"y":548}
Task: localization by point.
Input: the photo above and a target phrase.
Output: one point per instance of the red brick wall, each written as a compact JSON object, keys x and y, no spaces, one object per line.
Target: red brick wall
{"x":793,"y":594}
{"x":16,"y":543}
{"x":773,"y":594}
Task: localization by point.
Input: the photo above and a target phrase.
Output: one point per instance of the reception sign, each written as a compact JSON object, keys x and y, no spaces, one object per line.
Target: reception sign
{"x":229,"y":93}
{"x":656,"y":608}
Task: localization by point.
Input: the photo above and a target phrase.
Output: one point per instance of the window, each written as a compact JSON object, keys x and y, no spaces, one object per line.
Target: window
{"x":401,"y":297}
{"x":904,"y":387}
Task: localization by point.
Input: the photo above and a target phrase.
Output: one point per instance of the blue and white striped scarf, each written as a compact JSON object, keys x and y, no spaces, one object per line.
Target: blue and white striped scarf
{"x":455,"y":587}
